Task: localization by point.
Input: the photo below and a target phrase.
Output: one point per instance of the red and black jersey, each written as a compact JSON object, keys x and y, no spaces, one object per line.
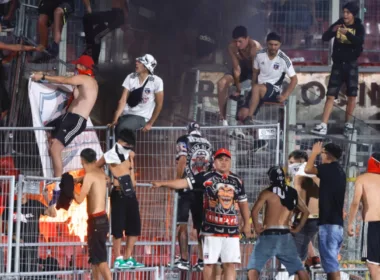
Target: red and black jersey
{"x":221,"y":198}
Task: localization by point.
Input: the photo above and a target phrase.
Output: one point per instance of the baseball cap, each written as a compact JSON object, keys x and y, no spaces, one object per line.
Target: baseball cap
{"x":222,"y":152}
{"x":85,"y":60}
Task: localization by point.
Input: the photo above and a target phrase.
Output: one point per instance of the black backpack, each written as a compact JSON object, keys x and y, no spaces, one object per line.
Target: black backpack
{"x":135,"y":96}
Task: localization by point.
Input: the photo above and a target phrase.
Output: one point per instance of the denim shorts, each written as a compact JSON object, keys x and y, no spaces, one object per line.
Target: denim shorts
{"x":281,"y":246}
{"x":330,"y":240}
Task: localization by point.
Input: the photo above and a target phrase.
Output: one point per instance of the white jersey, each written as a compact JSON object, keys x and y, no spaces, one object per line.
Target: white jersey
{"x":146,"y":107}
{"x":273,"y":71}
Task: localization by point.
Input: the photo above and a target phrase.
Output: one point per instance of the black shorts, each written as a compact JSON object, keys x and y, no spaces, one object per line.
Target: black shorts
{"x":243,"y":102}
{"x":344,"y":73}
{"x":303,"y":238}
{"x":97,"y":231}
{"x":190,"y":201}
{"x":371,"y":242}
{"x":47,"y":7}
{"x":67,"y":127}
{"x":270,"y":95}
{"x":125,"y":215}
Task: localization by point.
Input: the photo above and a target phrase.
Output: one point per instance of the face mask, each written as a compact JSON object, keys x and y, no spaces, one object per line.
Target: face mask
{"x":293,"y":168}
{"x":87,"y":72}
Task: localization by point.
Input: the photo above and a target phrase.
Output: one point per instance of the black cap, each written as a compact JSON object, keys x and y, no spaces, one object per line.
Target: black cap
{"x":334,"y":150}
{"x":273,"y":36}
{"x":128,"y":136}
{"x":352,"y":7}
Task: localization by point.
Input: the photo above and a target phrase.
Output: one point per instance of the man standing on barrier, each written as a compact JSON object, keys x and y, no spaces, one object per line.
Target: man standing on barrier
{"x":125,"y":213}
{"x":269,"y":68}
{"x":367,"y":192}
{"x":194,"y":155}
{"x":242,"y":51}
{"x":307,"y":188}
{"x":142,"y":98}
{"x":70,"y":125}
{"x":94,"y":188}
{"x":224,"y":197}
{"x":275,"y":235}
{"x":332,"y":189}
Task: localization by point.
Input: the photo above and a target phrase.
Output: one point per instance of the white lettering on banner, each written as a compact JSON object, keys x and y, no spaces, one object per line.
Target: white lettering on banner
{"x":47,"y":102}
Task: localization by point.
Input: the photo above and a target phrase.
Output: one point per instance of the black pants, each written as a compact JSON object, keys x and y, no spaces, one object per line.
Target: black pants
{"x":5,"y":102}
{"x":97,"y":25}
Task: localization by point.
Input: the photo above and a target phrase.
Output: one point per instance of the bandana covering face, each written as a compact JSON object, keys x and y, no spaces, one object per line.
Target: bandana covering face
{"x":117,"y":154}
{"x":293,"y":168}
{"x":287,"y":195}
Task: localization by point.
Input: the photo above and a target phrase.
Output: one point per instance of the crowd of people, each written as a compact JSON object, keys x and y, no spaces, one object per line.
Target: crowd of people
{"x":207,"y":188}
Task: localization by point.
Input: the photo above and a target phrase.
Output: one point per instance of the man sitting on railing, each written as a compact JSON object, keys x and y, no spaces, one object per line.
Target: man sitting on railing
{"x":270,"y":67}
{"x":125,"y":211}
{"x":142,"y":99}
{"x":70,"y":125}
{"x":242,"y":51}
{"x":54,"y":12}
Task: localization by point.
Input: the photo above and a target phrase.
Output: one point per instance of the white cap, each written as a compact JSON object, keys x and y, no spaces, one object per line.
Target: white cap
{"x":148,"y":61}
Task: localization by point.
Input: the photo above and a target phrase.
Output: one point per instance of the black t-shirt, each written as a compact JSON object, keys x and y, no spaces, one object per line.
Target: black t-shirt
{"x":30,"y":216}
{"x":332,"y":188}
{"x":198,"y":152}
{"x":221,"y":195}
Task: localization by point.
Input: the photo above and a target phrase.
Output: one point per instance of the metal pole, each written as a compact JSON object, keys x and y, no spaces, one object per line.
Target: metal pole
{"x":334,"y":16}
{"x":174,"y":230}
{"x":18,"y":227}
{"x":284,"y":135}
{"x":278,"y":145}
{"x":196,"y":98}
{"x":62,"y":51}
{"x":10,"y":222}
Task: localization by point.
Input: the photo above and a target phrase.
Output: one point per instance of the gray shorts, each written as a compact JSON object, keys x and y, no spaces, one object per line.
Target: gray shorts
{"x":132,"y":122}
{"x":303,"y":238}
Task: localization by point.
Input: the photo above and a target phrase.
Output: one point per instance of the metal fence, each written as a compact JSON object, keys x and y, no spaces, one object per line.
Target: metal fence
{"x":57,"y":247}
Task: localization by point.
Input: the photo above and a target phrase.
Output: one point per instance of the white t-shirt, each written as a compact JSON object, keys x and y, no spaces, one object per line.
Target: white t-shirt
{"x":273,"y":71}
{"x":146,"y":107}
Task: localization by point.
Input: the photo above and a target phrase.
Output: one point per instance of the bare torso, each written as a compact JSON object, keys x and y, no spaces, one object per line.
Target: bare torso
{"x":308,"y":191}
{"x":120,"y":170}
{"x":371,"y":195}
{"x":84,"y":98}
{"x":248,"y":53}
{"x":275,"y":213}
{"x":96,"y":197}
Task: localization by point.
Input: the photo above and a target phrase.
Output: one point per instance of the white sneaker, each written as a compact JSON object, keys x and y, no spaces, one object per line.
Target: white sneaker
{"x":238,"y":132}
{"x":348,"y":130}
{"x":320,"y":129}
{"x":223,"y":122}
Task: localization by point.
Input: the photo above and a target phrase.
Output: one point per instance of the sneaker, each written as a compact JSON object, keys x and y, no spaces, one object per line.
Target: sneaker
{"x":118,"y":262}
{"x":348,"y":130}
{"x":130,"y":263}
{"x":199,"y":265}
{"x":238,"y":133}
{"x":184,"y":265}
{"x":249,"y":120}
{"x":320,"y":129}
{"x":177,"y":260}
{"x":316,"y":262}
{"x":259,"y":145}
{"x":223,"y":123}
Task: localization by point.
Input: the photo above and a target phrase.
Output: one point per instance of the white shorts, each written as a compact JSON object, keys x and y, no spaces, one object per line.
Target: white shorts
{"x":227,"y":248}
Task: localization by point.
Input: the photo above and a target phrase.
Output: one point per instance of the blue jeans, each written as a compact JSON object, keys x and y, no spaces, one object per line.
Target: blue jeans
{"x":281,"y":246}
{"x":330,"y":240}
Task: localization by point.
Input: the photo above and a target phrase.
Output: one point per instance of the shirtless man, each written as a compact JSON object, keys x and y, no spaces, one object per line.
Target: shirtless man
{"x":242,"y":50}
{"x":275,"y":235}
{"x":124,"y":205}
{"x":94,"y":188}
{"x":73,"y":123}
{"x":367,"y":192}
{"x":307,"y":188}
